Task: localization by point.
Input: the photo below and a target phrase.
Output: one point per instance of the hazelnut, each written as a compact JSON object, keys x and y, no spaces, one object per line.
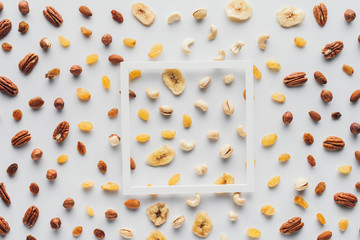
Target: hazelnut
{"x":114,"y":140}
{"x":326,"y":95}
{"x":76,"y":70}
{"x":36,"y":154}
{"x":355,"y":128}
{"x":55,"y":223}
{"x":24,"y":7}
{"x":45,"y":43}
{"x":349,"y":15}
{"x":34,"y":188}
{"x":287,"y":117}
{"x":69,"y":203}
{"x":59,"y":103}
{"x":51,"y":174}
{"x":106,"y":39}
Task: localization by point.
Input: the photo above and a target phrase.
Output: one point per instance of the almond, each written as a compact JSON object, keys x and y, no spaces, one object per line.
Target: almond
{"x":132,"y":164}
{"x":132,"y":203}
{"x":84,"y":10}
{"x":315,"y":116}
{"x":325,"y":235}
{"x":355,"y":96}
{"x":114,"y":58}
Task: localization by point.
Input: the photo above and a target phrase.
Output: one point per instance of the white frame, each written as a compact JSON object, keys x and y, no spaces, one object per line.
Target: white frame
{"x":127,"y":188}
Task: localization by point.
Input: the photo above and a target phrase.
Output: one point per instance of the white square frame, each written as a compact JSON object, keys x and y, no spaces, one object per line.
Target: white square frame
{"x":127,"y":188}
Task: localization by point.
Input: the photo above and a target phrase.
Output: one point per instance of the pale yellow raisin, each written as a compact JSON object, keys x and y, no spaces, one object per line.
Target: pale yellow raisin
{"x":64,"y":41}
{"x":168,"y":134}
{"x":129,"y":42}
{"x":187,"y":121}
{"x":155,"y":50}
{"x":284,"y":157}
{"x":105,"y":81}
{"x":174,"y":179}
{"x":85,"y":126}
{"x":92,"y":58}
{"x":90,"y":211}
{"x":268,"y":210}
{"x":300,"y":42}
{"x":87,"y":184}
{"x":62,"y":158}
{"x":348,"y":69}
{"x":77,"y":231}
{"x":253,"y":233}
{"x":274,"y":181}
{"x":110,"y":186}
{"x":343,"y":224}
{"x":134,"y":74}
{"x":301,"y":202}
{"x":83,"y":94}
{"x":257,"y":73}
{"x":273,"y":65}
{"x":278,"y":97}
{"x":269,"y":140}
{"x":143,"y":138}
{"x":320,"y":218}
{"x":86,"y":32}
{"x":345,"y":169}
{"x":143,"y":114}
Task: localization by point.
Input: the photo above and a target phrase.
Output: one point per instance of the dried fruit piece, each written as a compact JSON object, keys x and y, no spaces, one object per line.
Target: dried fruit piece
{"x":143,"y":13}
{"x":99,"y":234}
{"x":83,"y":94}
{"x":129,"y":42}
{"x":112,"y":113}
{"x":300,"y":42}
{"x":110,"y":186}
{"x":77,"y":231}
{"x":86,"y":31}
{"x":301,"y":202}
{"x":311,"y":160}
{"x":143,"y":137}
{"x":308,"y":138}
{"x":102,"y":166}
{"x":253,"y":233}
{"x":23,"y":27}
{"x":273,"y":65}
{"x":89,"y":211}
{"x":117,"y":16}
{"x":290,"y":16}
{"x":284,"y":157}
{"x":278,"y":97}
{"x":274,"y":181}
{"x":62,"y":158}
{"x":343,"y":224}
{"x":17,"y":115}
{"x":174,"y":179}
{"x":320,"y":188}
{"x":187,"y":121}
{"x":269,"y":140}
{"x":168,"y":134}
{"x":134,"y":74}
{"x":238,"y":10}
{"x":53,"y":73}
{"x":268,"y":210}
{"x":156,"y":235}
{"x":224,"y":179}
{"x":4,"y":195}
{"x":292,"y":226}
{"x":348,"y":69}
{"x":85,"y":11}
{"x":92,"y":58}
{"x":157,"y":213}
{"x":87,"y":184}
{"x":345,"y":169}
{"x":36,"y":102}
{"x":105,"y":81}
{"x":161,"y":156}
{"x":81,"y":148}
{"x":257,"y":73}
{"x":174,"y":80}
{"x":321,"y":218}
{"x":6,"y":47}
{"x":202,"y":224}
{"x":155,"y":50}
{"x":111,"y":214}
{"x":64,"y":41}
{"x":85,"y":126}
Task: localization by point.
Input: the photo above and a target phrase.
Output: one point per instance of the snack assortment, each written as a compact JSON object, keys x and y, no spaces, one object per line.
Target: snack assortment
{"x":51,"y":167}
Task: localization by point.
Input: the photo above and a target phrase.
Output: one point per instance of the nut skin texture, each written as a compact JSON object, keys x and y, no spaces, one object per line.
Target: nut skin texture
{"x":315,"y":116}
{"x":355,"y":96}
{"x":27,"y":64}
{"x":55,"y":223}
{"x":4,"y":227}
{"x":292,"y":226}
{"x":357,"y":155}
{"x":30,"y":237}
{"x":355,"y":128}
{"x":17,"y":115}
{"x":326,"y":95}
{"x":295,"y":79}
{"x":5,"y":27}
{"x":320,"y":14}
{"x":320,"y":78}
{"x":53,"y":16}
{"x":45,"y":43}
{"x":61,"y":131}
{"x":132,"y":203}
{"x":333,"y":143}
{"x":76,"y":70}
{"x":24,"y":7}
{"x":349,"y":15}
{"x":106,"y":39}
{"x":345,"y":199}
{"x":51,"y":174}
{"x":31,"y":215}
{"x":68,"y":203}
{"x":4,"y":195}
{"x":114,"y":58}
{"x":34,"y":188}
{"x":325,"y":235}
{"x":132,"y":164}
{"x":12,"y":169}
{"x":21,"y":138}
{"x":8,"y":87}
{"x":336,"y":115}
{"x":36,"y":154}
{"x":99,"y":234}
{"x":85,"y":11}
{"x":331,"y":50}
{"x":59,"y":104}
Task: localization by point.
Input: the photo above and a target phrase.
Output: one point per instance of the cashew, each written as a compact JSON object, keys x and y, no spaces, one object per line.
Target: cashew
{"x":233,"y":216}
{"x":201,"y":170}
{"x":152,"y":94}
{"x":204,"y":82}
{"x":187,"y":146}
{"x":194,"y":202}
{"x":229,"y":78}
{"x":178,"y":222}
{"x":262,"y":41}
{"x":200,"y":14}
{"x":126,"y":233}
{"x":186,"y":44}
{"x":202,"y":104}
{"x":223,"y":237}
{"x":238,"y":200}
{"x":213,"y":32}
{"x":236,"y":47}
{"x":174,"y":17}
{"x":241,"y":131}
{"x":222,"y":55}
{"x":213,"y":135}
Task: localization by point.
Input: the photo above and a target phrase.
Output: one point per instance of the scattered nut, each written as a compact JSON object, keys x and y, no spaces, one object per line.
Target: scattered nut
{"x":226,"y":151}
{"x":152,"y":94}
{"x":349,"y":15}
{"x":262,"y":41}
{"x":204,"y":82}
{"x":85,"y":11}
{"x":228,"y":107}
{"x":24,"y":7}
{"x":229,"y":78}
{"x":185,"y":46}
{"x":68,"y":203}
{"x":200,"y":14}
{"x":114,"y":140}
{"x":187,"y":146}
{"x":355,"y":128}
{"x":6,"y":47}
{"x":233,"y":216}
{"x":117,"y":16}
{"x":12,"y":169}
{"x":287,"y":117}
{"x":241,"y":131}
{"x":34,"y":188}
{"x":326,"y":95}
{"x":126,"y":233}
{"x":213,"y":32}
{"x":213,"y":135}
{"x":194,"y":202}
{"x":36,"y":154}
{"x":201,"y":104}
{"x":51,"y":174}
{"x":111,"y":214}
{"x":222,"y":55}
{"x":320,"y":78}
{"x":55,"y":223}
{"x":166,"y":110}
{"x":36,"y":102}
{"x":301,"y":184}
{"x":315,"y":116}
{"x":174,"y":17}
{"x":115,"y":58}
{"x":336,"y":115}
{"x":106,"y":39}
{"x":178,"y":222}
{"x":238,"y":200}
{"x":99,"y":234}
{"x":355,"y":96}
{"x":201,"y":169}
{"x":59,"y":103}
{"x":236,"y":47}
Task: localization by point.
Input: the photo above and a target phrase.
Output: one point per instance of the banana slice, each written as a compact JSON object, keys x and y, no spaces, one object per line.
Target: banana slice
{"x":238,"y":10}
{"x":226,"y":178}
{"x":161,"y":156}
{"x":143,"y":13}
{"x":290,"y":16}
{"x":202,"y":224}
{"x":156,"y":235}
{"x":174,"y":80}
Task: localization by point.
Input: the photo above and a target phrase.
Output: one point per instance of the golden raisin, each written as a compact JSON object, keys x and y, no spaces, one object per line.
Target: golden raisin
{"x":91,"y":59}
{"x":53,"y":73}
{"x":106,"y":82}
{"x":320,"y":218}
{"x":269,"y":140}
{"x":64,"y":41}
{"x":86,"y":32}
{"x":257,"y":73}
{"x":299,"y":41}
{"x":143,"y":138}
{"x":77,"y":231}
{"x":284,"y":157}
{"x":85,"y":126}
{"x":90,"y":211}
{"x":62,"y":159}
{"x":174,"y":179}
{"x":253,"y":233}
{"x":345,"y":169}
{"x":273,"y":65}
{"x":83,"y":94}
{"x":155,"y":50}
{"x":134,"y":74}
{"x":143,"y":114}
{"x":301,"y":201}
{"x":87,"y":184}
{"x":23,"y":27}
{"x":274,"y":181}
{"x":110,"y":186}
{"x":129,"y":42}
{"x":343,"y":224}
{"x":113,"y":112}
{"x":187,"y":120}
{"x":268,"y":210}
{"x":168,"y":134}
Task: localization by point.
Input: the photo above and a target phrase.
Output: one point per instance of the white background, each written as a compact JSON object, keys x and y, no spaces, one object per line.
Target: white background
{"x":41,"y":123}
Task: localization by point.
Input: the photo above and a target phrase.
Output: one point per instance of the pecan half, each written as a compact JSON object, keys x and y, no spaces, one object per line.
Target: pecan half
{"x":4,"y":227}
{"x":295,"y":79}
{"x":4,"y":195}
{"x":320,"y":14}
{"x":320,"y":78}
{"x":292,"y":226}
{"x":345,"y":199}
{"x":331,"y":50}
{"x":21,"y":138}
{"x":5,"y":27}
{"x":31,"y":216}
{"x":53,"y":16}
{"x":27,"y":64}
{"x":333,"y":143}
{"x":8,"y":87}
{"x":61,"y":131}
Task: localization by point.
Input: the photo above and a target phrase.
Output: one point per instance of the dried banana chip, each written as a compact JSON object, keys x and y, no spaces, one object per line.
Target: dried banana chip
{"x":161,"y":156}
{"x":174,"y":80}
{"x":157,"y":213}
{"x":143,"y":13}
{"x":238,"y":10}
{"x":202,"y":224}
{"x":156,"y":235}
{"x":226,"y":178}
{"x":290,"y":16}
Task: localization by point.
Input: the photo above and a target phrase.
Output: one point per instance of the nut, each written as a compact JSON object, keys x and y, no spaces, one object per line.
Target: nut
{"x":6,"y":47}
{"x":308,"y":138}
{"x":27,"y":64}
{"x":69,"y":203}
{"x":349,"y":15}
{"x":201,"y":104}
{"x":51,"y":174}
{"x":1,"y":7}
{"x":331,"y":50}
{"x":357,"y":186}
{"x":228,"y":107}
{"x":174,"y":17}
{"x":355,"y":128}
{"x":200,"y":14}
{"x":315,"y":116}
{"x":213,"y":135}
{"x":233,"y":216}
{"x":152,"y":94}
{"x":194,"y":202}
{"x":229,"y":78}
{"x":241,"y":131}
{"x":236,"y":47}
{"x":238,"y":200}
{"x":34,"y":188}
{"x":53,"y":16}
{"x":185,"y":46}
{"x":292,"y":226}
{"x":24,"y":7}
{"x":36,"y":154}
{"x":325,"y":235}
{"x":5,"y":27}
{"x":132,"y":164}
{"x":99,"y":234}
{"x":223,"y":236}
{"x":345,"y":199}
{"x":114,"y":140}
{"x":262,"y":41}
{"x":348,"y":69}
{"x":30,"y":217}
{"x":355,"y":96}
{"x":187,"y":146}
{"x":4,"y":195}
{"x":114,"y":58}
{"x":204,"y":82}
{"x":45,"y":43}
{"x":178,"y":222}
{"x":287,"y":117}
{"x":126,"y":233}
{"x":12,"y":169}
{"x":106,"y":39}
{"x":320,"y":78}
{"x":213,"y":32}
{"x":132,"y":203}
{"x":55,"y":223}
{"x":111,"y":214}
{"x":357,"y":155}
{"x":157,"y":213}
{"x":320,"y":14}
{"x":8,"y":87}
{"x":21,"y":138}
{"x":85,"y":11}
{"x":221,"y":56}
{"x":166,"y":110}
{"x":326,"y":95}
{"x":295,"y":79}
{"x":301,"y":184}
{"x":333,"y":143}
{"x":59,"y":103}
{"x":226,"y":151}
{"x":201,"y":169}
{"x":75,"y":70}
{"x":102,"y":166}
{"x":61,"y":131}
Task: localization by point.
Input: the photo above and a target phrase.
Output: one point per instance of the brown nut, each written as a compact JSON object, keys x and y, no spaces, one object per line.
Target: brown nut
{"x":320,"y":14}
{"x":34,"y":188}
{"x":30,"y":237}
{"x":333,"y":143}
{"x":112,"y":113}
{"x":315,"y":116}
{"x":1,"y":7}
{"x":295,"y":79}
{"x":326,"y":95}
{"x":55,"y":223}
{"x":345,"y":199}
{"x":27,"y":64}
{"x":85,"y":11}
{"x":114,"y":58}
{"x":76,"y":70}
{"x":111,"y":214}
{"x":5,"y":27}
{"x":355,"y":128}
{"x":132,"y":203}
{"x":6,"y":47}
{"x":36,"y":154}
{"x":320,"y":188}
{"x":45,"y":43}
{"x":132,"y":164}
{"x":68,"y":203}
{"x":4,"y":195}
{"x":102,"y":166}
{"x":31,"y":215}
{"x":61,"y":131}
{"x":320,"y":78}
{"x":59,"y":103}
{"x":106,"y":39}
{"x":51,"y":174}
{"x":331,"y":50}
{"x":36,"y":102}
{"x":12,"y":169}
{"x":325,"y":235}
{"x":53,"y":16}
{"x":21,"y":138}
{"x":357,"y":155}
{"x":287,"y":117}
{"x":292,"y":226}
{"x":24,"y":7}
{"x":99,"y":234}
{"x":23,"y":27}
{"x":349,"y":15}
{"x":311,"y":160}
{"x":8,"y":87}
{"x":17,"y":115}
{"x":308,"y":138}
{"x":117,"y":16}
{"x":355,"y":96}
